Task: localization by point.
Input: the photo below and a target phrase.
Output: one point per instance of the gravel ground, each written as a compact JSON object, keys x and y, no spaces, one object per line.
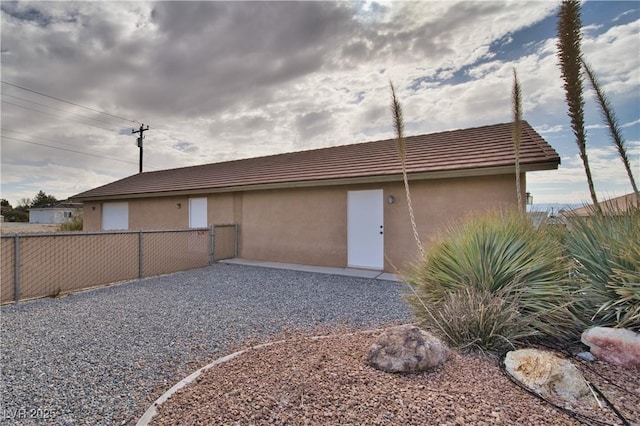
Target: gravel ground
{"x":102,"y":356}
{"x":327,"y":381}
{"x":26,"y":228}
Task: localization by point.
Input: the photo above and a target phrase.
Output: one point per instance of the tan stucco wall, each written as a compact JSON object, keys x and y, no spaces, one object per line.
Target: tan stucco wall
{"x":164,"y":212}
{"x":158,"y":213}
{"x":290,"y":225}
{"x":91,"y":215}
{"x":220,"y":208}
{"x":309,"y":225}
{"x":144,"y":213}
{"x":436,"y":204}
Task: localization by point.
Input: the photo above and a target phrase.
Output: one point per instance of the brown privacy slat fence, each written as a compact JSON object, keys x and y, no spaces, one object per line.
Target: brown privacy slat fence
{"x":47,"y":264}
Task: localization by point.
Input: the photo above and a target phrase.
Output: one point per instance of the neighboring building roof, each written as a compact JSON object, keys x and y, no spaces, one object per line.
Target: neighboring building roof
{"x":475,"y":151}
{"x":64,"y":205}
{"x":613,"y":205}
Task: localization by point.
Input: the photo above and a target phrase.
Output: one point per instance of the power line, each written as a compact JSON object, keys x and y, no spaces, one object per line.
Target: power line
{"x":68,"y":150}
{"x":39,"y":137}
{"x":57,"y":116}
{"x":68,"y":102}
{"x":57,"y":109}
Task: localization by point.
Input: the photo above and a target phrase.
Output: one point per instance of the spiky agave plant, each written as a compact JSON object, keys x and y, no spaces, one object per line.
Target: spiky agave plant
{"x":609,"y":116}
{"x":501,"y":260}
{"x":606,"y":254}
{"x":516,"y":105}
{"x":569,"y":55}
{"x":398,"y":123}
{"x":625,"y":283}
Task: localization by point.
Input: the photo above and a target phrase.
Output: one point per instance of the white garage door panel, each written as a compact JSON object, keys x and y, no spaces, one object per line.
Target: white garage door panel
{"x":198,"y":213}
{"x":365,"y":239}
{"x":115,"y":216}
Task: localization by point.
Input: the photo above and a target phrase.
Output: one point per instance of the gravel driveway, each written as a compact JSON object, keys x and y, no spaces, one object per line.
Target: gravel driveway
{"x":102,"y":356}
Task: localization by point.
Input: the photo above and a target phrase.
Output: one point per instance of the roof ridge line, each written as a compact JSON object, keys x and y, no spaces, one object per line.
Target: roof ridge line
{"x":331,"y":147}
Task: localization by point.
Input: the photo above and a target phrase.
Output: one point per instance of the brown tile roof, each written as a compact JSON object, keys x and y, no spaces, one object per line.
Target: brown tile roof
{"x":436,"y":155}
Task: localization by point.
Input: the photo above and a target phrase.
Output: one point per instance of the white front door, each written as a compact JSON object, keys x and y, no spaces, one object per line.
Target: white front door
{"x":365,"y":232}
{"x":198,"y":212}
{"x":115,"y":216}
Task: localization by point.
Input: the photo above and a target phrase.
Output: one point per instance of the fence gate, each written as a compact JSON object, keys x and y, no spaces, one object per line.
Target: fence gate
{"x":224,"y":242}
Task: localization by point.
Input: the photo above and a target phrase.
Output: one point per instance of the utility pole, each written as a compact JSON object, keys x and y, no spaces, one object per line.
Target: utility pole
{"x":141,"y":131}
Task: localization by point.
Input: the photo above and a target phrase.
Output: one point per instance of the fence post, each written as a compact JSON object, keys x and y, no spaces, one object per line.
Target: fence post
{"x":16,"y":268}
{"x":212,"y":245}
{"x":140,"y":257}
{"x":235,"y":240}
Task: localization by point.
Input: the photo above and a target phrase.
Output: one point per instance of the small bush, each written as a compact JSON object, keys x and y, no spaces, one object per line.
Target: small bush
{"x":508,"y":279}
{"x":476,"y":320}
{"x":75,"y":224}
{"x":606,"y":253}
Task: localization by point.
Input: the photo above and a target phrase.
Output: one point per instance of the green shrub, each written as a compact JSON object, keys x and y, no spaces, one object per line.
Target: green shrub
{"x":493,"y":282}
{"x":476,"y":320}
{"x":75,"y":224}
{"x":606,"y":253}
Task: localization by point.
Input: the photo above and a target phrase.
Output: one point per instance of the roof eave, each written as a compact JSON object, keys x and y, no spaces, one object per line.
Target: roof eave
{"x":396,"y":177}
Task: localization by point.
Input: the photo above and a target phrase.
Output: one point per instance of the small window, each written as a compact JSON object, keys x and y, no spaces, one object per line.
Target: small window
{"x":115,"y":216}
{"x":67,"y":214}
{"x":198,"y":212}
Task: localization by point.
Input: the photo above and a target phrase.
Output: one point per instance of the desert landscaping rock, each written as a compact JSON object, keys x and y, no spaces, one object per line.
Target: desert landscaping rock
{"x":101,"y":357}
{"x":329,"y":382}
{"x":407,"y":349}
{"x":587,"y":356}
{"x":618,"y":346}
{"x":549,"y":375}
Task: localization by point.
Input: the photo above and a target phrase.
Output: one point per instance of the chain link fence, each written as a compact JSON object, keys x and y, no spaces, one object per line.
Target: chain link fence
{"x":49,"y":264}
{"x":225,"y":241}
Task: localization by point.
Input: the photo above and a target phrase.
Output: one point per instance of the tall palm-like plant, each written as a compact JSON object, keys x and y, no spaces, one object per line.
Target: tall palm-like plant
{"x":609,"y":116}
{"x":570,"y":56}
{"x":398,"y":122}
{"x":516,"y":105}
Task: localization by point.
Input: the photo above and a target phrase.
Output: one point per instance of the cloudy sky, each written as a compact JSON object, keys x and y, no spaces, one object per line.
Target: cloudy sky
{"x":218,"y":81}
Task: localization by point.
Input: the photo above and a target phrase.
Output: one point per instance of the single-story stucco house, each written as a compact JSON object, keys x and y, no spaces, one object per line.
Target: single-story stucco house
{"x":343,"y":206}
{"x":58,"y":213}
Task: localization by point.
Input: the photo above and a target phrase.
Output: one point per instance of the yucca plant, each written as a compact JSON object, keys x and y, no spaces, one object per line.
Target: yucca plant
{"x":398,"y":124}
{"x":609,"y":117}
{"x":500,"y":254}
{"x":606,"y":253}
{"x":570,"y":57}
{"x":516,"y":106}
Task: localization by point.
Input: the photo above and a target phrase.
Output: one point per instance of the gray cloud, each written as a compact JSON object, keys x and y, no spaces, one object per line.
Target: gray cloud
{"x":225,"y":80}
{"x":313,"y":123}
{"x":230,"y":53}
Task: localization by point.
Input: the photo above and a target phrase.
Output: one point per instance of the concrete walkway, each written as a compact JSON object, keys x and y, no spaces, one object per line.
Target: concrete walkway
{"x":349,"y":272}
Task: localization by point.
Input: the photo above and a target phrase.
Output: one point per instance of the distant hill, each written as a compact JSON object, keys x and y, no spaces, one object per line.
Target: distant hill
{"x":553,"y":208}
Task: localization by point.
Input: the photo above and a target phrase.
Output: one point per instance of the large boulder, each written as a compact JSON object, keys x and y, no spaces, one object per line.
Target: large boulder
{"x":549,"y":375}
{"x":617,"y":346}
{"x":407,"y":349}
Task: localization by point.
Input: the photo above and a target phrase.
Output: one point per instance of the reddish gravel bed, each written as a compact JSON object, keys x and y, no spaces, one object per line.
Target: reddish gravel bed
{"x":327,"y":382}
